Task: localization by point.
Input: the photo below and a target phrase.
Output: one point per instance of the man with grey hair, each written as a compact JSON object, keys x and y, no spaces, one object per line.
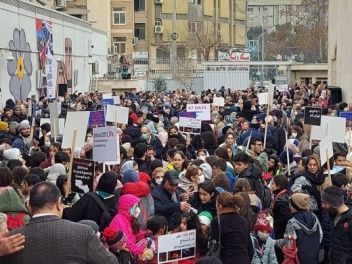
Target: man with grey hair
{"x":152,"y":140}
{"x":173,"y":120}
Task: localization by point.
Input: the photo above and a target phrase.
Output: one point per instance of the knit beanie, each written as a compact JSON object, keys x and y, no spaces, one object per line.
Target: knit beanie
{"x":130,"y":175}
{"x":11,"y":154}
{"x":3,"y":126}
{"x":300,"y":201}
{"x":283,"y":157}
{"x":205,"y":218}
{"x":114,"y":238}
{"x":264,"y":222}
{"x":24,"y":124}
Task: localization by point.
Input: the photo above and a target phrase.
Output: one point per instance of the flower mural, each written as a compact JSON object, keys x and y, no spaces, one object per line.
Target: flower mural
{"x":20,"y":69}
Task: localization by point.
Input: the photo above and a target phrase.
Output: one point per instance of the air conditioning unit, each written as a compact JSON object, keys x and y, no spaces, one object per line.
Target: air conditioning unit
{"x":135,"y":40}
{"x":158,"y":1}
{"x":95,"y":67}
{"x":61,"y":3}
{"x":113,"y":50}
{"x":158,"y":29}
{"x":111,"y":68}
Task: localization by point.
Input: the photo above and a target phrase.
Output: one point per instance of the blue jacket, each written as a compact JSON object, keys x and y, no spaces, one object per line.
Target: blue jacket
{"x":268,"y":257}
{"x":241,"y":140}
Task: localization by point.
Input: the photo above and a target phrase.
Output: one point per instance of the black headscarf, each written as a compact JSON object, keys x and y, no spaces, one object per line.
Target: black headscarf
{"x":107,"y":182}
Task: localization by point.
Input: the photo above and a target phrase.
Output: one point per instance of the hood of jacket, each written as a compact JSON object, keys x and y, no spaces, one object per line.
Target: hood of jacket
{"x":306,"y":221}
{"x":127,"y":165}
{"x":138,"y":189}
{"x":251,"y":171}
{"x":10,"y":202}
{"x":207,"y":170}
{"x":127,"y":201}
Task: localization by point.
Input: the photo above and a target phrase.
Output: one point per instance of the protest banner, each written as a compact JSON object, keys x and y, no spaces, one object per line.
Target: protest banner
{"x":312,"y":116}
{"x":96,"y":118}
{"x":82,"y":176}
{"x":330,"y":125}
{"x":218,"y":101}
{"x":75,"y":120}
{"x":189,"y":123}
{"x":117,"y":114}
{"x":202,"y":110}
{"x":177,"y":246}
{"x":104,"y":144}
{"x":348,"y":116}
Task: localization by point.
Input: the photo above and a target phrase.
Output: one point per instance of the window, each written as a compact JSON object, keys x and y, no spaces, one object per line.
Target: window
{"x":195,"y":27}
{"x":158,"y":23}
{"x":119,"y":16}
{"x":250,"y":9}
{"x":120,"y":43}
{"x":139,"y":5}
{"x":139,"y":30}
{"x":162,"y":56}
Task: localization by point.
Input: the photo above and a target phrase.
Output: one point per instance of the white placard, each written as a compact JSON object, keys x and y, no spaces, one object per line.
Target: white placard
{"x":54,"y":119}
{"x":190,"y":122}
{"x":107,"y":95}
{"x":332,"y":125}
{"x":202,"y":110}
{"x":218,"y":101}
{"x":326,"y":143}
{"x":104,"y":142}
{"x":177,"y":246}
{"x":30,"y":105}
{"x":282,"y":87}
{"x":271,"y":89}
{"x":122,"y":114}
{"x":47,"y":120}
{"x":263,"y":98}
{"x":116,"y":100}
{"x":75,"y":120}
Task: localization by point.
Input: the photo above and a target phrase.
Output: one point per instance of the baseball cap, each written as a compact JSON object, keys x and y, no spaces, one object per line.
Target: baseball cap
{"x":172,"y":177}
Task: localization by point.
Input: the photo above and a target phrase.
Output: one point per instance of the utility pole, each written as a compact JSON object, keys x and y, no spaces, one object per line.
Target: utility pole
{"x":174,"y":39}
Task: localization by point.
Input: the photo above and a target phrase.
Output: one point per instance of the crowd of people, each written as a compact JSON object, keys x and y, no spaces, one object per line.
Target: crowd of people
{"x":250,"y":183}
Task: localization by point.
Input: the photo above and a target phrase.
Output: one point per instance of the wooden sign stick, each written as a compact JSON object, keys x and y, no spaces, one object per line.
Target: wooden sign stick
{"x":287,"y":156}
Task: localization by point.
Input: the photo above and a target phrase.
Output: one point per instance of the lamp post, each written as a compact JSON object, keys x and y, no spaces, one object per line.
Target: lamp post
{"x":262,"y":24}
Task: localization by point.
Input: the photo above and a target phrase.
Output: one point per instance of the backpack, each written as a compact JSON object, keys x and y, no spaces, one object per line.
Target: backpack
{"x":15,"y":221}
{"x":108,"y":213}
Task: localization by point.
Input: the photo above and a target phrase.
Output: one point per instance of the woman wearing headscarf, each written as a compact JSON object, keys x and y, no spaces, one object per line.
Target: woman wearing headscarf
{"x":61,"y":183}
{"x":87,"y":208}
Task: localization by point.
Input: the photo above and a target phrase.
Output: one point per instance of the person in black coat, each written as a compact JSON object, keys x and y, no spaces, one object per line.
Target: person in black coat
{"x":205,"y":198}
{"x":234,"y":231}
{"x":280,"y":209}
{"x":133,"y":130}
{"x":87,"y":208}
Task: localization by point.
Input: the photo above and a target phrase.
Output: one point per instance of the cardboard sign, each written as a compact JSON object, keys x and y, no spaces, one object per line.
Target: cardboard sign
{"x":263,"y":98}
{"x":104,"y":144}
{"x":96,"y":118}
{"x":82,"y":177}
{"x":348,"y":116}
{"x":189,"y":123}
{"x":75,"y":120}
{"x":202,"y":110}
{"x":218,"y":101}
{"x":334,"y":126}
{"x":177,"y":246}
{"x":122,"y":114}
{"x":326,"y":143}
{"x":312,"y":116}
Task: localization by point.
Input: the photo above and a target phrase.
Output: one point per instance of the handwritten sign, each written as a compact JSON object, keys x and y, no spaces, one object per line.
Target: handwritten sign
{"x":189,"y":123}
{"x":177,"y":246}
{"x":202,"y":110}
{"x":218,"y":101}
{"x":348,"y":116}
{"x":104,"y":144}
{"x":96,"y":118}
{"x":312,"y":116}
{"x":263,"y":98}
{"x":82,"y":175}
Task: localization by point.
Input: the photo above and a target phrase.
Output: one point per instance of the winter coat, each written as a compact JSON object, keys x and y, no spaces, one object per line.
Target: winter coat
{"x":133,"y":131}
{"x":186,"y":184}
{"x":306,"y":227}
{"x":11,"y":203}
{"x":234,"y":237}
{"x":157,"y":146}
{"x":143,"y":165}
{"x":254,"y":175}
{"x":122,"y":221}
{"x":303,"y":144}
{"x":142,"y":191}
{"x":197,"y":204}
{"x":269,"y":256}
{"x":341,"y":246}
{"x":281,"y":212}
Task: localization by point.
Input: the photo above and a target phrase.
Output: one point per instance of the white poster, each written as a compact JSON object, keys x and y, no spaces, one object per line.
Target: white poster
{"x":50,"y":68}
{"x":116,"y":100}
{"x":117,"y":114}
{"x":218,"y":101}
{"x":104,"y":144}
{"x":282,"y":87}
{"x":263,"y":98}
{"x":61,"y":125}
{"x":326,"y":149}
{"x":107,"y":95}
{"x":332,"y":125}
{"x":190,"y":122}
{"x":75,"y":120}
{"x":177,"y":246}
{"x":54,"y":119}
{"x":202,"y":110}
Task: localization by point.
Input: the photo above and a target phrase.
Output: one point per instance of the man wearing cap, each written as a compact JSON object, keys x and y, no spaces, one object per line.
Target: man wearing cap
{"x":341,"y":243}
{"x":169,"y":198}
{"x":305,"y":227}
{"x":23,"y":142}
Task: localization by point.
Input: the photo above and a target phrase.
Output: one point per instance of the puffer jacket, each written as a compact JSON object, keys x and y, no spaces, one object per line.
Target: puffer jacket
{"x":142,"y":191}
{"x":254,"y":175}
{"x":341,"y":246}
{"x":269,"y":256}
{"x":122,"y":221}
